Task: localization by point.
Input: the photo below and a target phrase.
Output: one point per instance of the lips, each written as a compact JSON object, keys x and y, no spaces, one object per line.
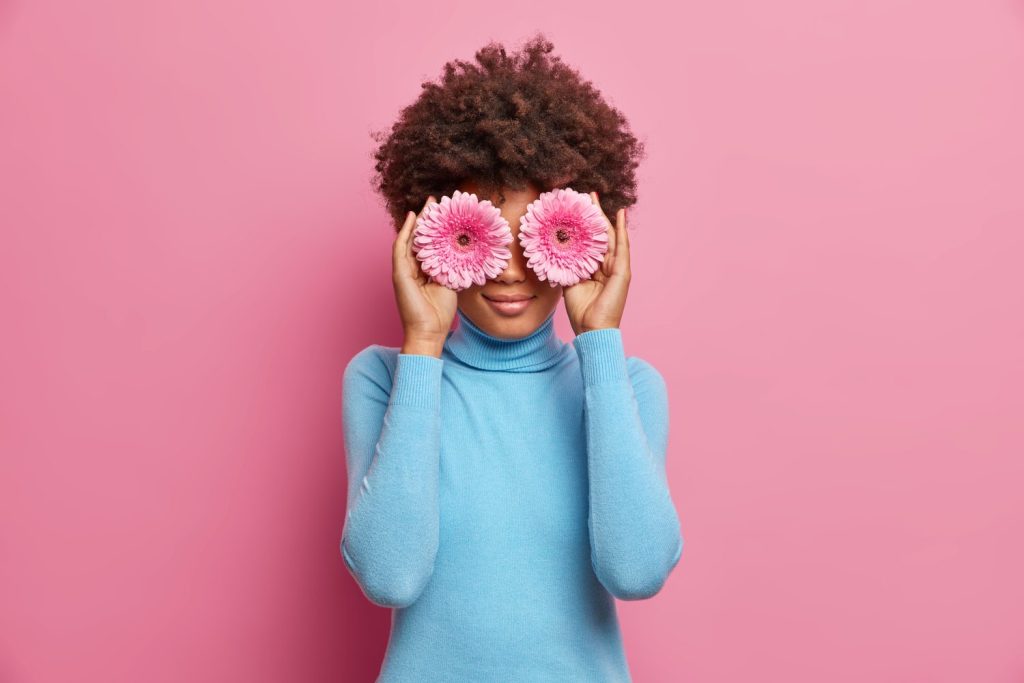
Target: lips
{"x":509,"y":304}
{"x":509,"y":297}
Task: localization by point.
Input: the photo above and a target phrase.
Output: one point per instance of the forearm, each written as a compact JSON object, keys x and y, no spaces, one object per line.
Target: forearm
{"x":634,"y":529}
{"x":390,"y":537}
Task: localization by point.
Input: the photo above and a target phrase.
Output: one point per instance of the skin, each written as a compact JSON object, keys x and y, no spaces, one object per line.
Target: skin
{"x":427,"y":309}
{"x":517,"y":278}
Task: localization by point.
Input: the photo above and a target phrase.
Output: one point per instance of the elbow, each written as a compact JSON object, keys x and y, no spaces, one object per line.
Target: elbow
{"x":638,"y":580}
{"x":386,"y":586}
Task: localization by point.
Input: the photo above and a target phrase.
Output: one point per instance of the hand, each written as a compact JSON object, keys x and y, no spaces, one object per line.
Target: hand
{"x":598,"y":303}
{"x":426,"y":308}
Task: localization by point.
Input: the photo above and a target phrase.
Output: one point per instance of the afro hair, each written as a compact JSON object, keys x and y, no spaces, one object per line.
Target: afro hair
{"x":507,"y":121}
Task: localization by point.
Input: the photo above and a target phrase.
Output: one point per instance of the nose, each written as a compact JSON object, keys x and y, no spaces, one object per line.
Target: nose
{"x":516,"y":269}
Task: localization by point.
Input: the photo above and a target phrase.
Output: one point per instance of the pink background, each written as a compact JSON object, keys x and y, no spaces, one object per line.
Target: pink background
{"x":827,"y":270}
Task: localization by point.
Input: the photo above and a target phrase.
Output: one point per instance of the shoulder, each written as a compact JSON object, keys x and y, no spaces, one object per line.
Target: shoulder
{"x":373,"y":358}
{"x":374,"y":364}
{"x":644,"y":376}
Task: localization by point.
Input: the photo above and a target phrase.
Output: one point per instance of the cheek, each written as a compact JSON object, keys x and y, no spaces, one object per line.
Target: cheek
{"x":548,"y":293}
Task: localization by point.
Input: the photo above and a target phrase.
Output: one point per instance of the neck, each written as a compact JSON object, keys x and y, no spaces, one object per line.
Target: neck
{"x":536,"y":351}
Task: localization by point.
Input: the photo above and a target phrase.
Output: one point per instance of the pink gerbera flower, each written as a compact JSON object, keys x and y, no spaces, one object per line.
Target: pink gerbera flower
{"x":564,"y":236}
{"x":462,"y":240}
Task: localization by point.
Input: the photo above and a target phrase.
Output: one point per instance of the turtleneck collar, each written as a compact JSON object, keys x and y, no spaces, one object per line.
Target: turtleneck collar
{"x":536,"y":351}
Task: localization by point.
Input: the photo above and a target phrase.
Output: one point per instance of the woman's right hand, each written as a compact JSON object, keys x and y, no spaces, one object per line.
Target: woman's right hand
{"x":425,"y":307}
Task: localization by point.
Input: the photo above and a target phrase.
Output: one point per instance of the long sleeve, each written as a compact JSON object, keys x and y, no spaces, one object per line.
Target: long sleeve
{"x":392,"y":435}
{"x":635,"y":534}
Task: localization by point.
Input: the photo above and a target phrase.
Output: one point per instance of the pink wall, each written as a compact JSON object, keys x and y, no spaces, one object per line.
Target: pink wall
{"x":826,"y":269}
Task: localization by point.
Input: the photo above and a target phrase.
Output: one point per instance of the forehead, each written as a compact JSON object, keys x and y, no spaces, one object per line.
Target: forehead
{"x":504,"y":198}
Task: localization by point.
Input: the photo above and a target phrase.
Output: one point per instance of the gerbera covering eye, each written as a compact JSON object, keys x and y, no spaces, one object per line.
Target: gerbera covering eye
{"x":564,"y":236}
{"x":462,"y":241}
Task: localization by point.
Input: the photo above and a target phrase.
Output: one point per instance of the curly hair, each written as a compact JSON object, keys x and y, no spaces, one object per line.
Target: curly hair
{"x":504,"y":122}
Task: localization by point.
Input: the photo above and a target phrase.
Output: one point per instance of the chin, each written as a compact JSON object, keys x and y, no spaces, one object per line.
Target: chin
{"x":520,"y":327}
{"x":508,"y":324}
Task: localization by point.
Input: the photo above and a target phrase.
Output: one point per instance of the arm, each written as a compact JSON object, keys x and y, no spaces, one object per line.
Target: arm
{"x":392,"y":454}
{"x":635,"y":534}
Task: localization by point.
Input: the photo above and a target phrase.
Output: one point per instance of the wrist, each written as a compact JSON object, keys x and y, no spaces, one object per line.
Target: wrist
{"x":423,"y":346}
{"x":592,"y":329}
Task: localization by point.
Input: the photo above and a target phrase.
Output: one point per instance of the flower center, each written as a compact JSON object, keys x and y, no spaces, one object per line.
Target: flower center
{"x":562,"y":235}
{"x":462,"y":239}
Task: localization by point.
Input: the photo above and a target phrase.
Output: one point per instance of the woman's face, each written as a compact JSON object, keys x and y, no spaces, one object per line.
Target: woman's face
{"x":517,"y":280}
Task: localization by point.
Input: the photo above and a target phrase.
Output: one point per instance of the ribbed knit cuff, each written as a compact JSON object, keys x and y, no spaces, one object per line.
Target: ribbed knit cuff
{"x":602,"y":355}
{"x":417,"y":380}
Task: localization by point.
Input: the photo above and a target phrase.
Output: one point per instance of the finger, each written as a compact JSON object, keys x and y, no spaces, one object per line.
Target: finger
{"x":615,"y":288}
{"x":412,"y":232}
{"x":608,"y":266}
{"x":400,"y":245}
{"x":622,"y":242}
{"x":609,"y":257}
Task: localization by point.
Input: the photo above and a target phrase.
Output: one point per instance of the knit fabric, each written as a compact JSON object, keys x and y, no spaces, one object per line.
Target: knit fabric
{"x":501,"y":496}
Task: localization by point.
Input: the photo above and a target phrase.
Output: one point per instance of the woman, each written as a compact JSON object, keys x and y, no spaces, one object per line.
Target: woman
{"x":504,"y":486}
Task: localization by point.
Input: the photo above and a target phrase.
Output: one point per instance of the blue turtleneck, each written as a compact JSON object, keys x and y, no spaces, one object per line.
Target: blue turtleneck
{"x":500,"y":497}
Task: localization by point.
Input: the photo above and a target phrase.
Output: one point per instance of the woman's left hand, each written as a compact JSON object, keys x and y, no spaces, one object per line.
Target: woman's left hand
{"x":599,"y":302}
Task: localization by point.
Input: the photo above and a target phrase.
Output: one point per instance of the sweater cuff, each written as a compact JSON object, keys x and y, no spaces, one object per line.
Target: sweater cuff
{"x":417,"y":380}
{"x":602,"y":355}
